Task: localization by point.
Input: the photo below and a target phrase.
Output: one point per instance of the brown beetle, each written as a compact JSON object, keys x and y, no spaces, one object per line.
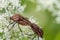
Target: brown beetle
{"x":23,"y":21}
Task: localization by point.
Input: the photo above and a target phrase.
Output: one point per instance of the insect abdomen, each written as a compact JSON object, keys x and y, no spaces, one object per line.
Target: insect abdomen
{"x":37,"y":30}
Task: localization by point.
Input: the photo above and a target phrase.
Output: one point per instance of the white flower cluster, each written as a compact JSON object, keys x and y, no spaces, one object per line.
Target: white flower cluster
{"x":33,"y":20}
{"x":8,"y":5}
{"x":3,"y":4}
{"x":14,"y":3}
{"x":9,"y":8}
{"x":50,"y":5}
{"x":3,"y":19}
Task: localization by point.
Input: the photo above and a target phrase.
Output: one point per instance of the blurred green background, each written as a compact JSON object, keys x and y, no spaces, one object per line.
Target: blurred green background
{"x":45,"y":18}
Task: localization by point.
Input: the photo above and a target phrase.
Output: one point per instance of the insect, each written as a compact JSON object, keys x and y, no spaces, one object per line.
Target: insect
{"x":24,"y":21}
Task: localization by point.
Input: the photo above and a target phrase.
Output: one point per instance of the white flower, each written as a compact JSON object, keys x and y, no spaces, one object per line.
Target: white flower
{"x":40,"y":38}
{"x":58,"y":13}
{"x":58,"y":20}
{"x":46,"y":2}
{"x":58,"y":4}
{"x":49,"y":5}
{"x":54,"y":13}
{"x":7,"y":34}
{"x":1,"y":39}
{"x":5,"y":30}
{"x":21,"y":8}
{"x":3,"y":3}
{"x":1,"y":30}
{"x":15,"y":2}
{"x":3,"y":20}
{"x":33,"y":20}
{"x":1,"y":17}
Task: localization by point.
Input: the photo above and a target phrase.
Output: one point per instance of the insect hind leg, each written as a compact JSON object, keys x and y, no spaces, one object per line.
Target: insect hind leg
{"x":33,"y":37}
{"x":38,"y":37}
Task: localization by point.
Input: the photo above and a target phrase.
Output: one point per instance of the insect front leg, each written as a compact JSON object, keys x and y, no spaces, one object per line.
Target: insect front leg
{"x":12,"y":26}
{"x":20,"y":30}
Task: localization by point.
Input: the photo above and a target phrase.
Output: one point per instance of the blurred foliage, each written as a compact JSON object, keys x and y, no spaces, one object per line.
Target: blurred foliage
{"x":30,"y":6}
{"x":46,"y":20}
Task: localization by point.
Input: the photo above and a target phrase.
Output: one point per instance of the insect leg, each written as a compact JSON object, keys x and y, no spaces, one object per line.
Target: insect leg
{"x":38,"y":37}
{"x":20,"y":29}
{"x":33,"y":37}
{"x":12,"y":26}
